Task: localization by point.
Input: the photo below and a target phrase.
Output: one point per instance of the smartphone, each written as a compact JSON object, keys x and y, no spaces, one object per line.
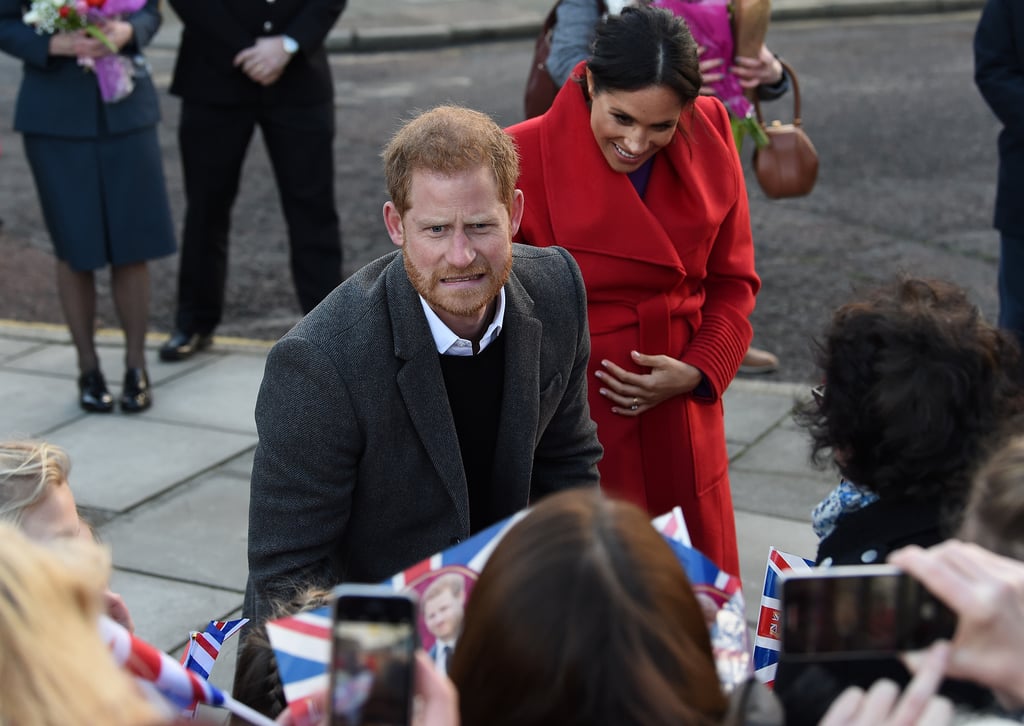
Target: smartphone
{"x":373,"y":643}
{"x":861,"y":611}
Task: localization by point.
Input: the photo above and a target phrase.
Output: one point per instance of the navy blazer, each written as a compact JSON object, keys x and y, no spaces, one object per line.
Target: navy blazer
{"x":215,"y":31}
{"x":999,"y":73}
{"x":60,"y":98}
{"x":358,"y":475}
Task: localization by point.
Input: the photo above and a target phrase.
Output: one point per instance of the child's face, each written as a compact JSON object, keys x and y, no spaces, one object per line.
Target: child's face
{"x":53,"y":516}
{"x":443,"y":615}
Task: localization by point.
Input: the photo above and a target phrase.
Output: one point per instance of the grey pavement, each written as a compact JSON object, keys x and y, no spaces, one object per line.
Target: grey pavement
{"x":168,"y":489}
{"x":377,"y":25}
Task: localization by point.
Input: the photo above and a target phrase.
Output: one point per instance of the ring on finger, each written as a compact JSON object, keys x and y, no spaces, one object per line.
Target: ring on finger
{"x":636,"y":404}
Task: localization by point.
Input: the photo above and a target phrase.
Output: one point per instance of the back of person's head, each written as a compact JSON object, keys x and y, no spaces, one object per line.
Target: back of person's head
{"x":28,"y":469}
{"x":642,"y":47}
{"x":257,"y":680}
{"x":447,"y":140}
{"x":917,"y":388}
{"x":994,"y":517}
{"x":583,"y":615}
{"x":55,"y":667}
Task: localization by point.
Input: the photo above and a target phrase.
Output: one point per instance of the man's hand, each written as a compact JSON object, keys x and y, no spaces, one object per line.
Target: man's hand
{"x":265,"y":60}
{"x":633,"y":393}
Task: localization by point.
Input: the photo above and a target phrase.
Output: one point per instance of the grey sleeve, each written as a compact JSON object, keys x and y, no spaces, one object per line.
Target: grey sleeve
{"x":775,"y":90}
{"x":568,"y":451}
{"x":303,"y":476}
{"x":571,"y":37}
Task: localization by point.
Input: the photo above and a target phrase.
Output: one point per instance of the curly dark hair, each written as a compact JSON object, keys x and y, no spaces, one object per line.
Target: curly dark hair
{"x":918,"y":387}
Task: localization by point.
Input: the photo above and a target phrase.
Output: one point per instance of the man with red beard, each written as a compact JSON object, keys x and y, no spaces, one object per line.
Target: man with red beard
{"x":438,"y":390}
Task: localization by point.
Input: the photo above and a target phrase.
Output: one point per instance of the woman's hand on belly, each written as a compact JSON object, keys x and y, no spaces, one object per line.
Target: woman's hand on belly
{"x":630,"y":394}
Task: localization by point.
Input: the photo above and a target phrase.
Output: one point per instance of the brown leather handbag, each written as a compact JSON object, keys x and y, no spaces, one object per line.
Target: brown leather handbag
{"x":788,"y":165}
{"x":540,"y":88}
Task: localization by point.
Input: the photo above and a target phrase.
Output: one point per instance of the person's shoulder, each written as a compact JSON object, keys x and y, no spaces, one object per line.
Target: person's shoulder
{"x":525,"y":132}
{"x":545,"y":271}
{"x":358,"y":301}
{"x":554,"y":259}
{"x":713,"y":111}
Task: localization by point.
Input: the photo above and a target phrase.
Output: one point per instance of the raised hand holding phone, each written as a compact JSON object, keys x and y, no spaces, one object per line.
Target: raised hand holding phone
{"x":373,"y":644}
{"x":858,"y":612}
{"x":986,"y":591}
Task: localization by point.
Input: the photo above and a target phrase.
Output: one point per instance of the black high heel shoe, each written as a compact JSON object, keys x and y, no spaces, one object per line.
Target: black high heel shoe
{"x":135,"y":394}
{"x":93,"y":395}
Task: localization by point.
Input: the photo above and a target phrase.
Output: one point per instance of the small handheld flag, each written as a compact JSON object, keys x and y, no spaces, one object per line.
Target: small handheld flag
{"x":178,"y":685}
{"x":769,"y":618}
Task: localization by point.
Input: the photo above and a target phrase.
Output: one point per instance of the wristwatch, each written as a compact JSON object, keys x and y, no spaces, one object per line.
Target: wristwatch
{"x":290,"y":44}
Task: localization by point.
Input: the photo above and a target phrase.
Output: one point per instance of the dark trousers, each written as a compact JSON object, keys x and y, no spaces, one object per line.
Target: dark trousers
{"x":1011,"y":285}
{"x":213,"y":141}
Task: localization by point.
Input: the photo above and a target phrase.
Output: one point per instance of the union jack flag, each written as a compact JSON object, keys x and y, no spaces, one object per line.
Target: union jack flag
{"x":203,"y":648}
{"x":170,"y":678}
{"x":769,"y":618}
{"x":301,"y":643}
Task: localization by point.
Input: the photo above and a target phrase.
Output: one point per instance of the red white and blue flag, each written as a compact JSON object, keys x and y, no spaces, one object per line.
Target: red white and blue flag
{"x":203,"y":648}
{"x":301,"y":643}
{"x":769,"y":618}
{"x":169,"y":677}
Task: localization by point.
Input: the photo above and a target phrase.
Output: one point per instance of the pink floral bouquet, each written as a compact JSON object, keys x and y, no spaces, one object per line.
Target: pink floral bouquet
{"x":710,"y":26}
{"x":113,"y":72}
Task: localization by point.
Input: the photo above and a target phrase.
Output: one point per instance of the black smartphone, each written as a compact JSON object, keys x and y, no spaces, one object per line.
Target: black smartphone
{"x":373,"y":643}
{"x":861,"y":611}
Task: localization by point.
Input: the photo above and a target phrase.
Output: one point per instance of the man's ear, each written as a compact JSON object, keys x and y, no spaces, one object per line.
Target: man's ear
{"x":393,"y":223}
{"x":518,"y":205}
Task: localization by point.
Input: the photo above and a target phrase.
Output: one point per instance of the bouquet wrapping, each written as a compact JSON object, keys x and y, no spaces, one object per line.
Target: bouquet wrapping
{"x":711,"y":27}
{"x":749,"y":27}
{"x":114,"y":73}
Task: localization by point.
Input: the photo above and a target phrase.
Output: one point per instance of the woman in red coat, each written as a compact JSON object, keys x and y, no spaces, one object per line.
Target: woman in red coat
{"x":638,"y":177}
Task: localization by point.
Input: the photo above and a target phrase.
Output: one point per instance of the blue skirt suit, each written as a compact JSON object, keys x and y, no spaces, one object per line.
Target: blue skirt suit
{"x":97,"y":166}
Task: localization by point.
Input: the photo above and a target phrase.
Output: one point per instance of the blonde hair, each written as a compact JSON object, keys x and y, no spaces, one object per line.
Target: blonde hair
{"x":54,"y":666}
{"x":27,"y":471}
{"x":994,"y":517}
{"x":450,"y":581}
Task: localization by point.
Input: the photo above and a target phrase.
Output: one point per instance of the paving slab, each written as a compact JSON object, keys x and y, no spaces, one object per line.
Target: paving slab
{"x":789,"y":496}
{"x":223,"y":396}
{"x":32,"y":405}
{"x":119,"y":461}
{"x":750,"y":411}
{"x":782,"y":450}
{"x":756,"y":534}
{"x":166,"y":611}
{"x":197,"y":533}
{"x":12,"y":348}
{"x":241,"y":465}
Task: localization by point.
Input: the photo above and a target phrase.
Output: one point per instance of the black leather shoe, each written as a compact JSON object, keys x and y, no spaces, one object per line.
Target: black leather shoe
{"x":135,"y":394}
{"x":93,"y":395}
{"x":182,"y":345}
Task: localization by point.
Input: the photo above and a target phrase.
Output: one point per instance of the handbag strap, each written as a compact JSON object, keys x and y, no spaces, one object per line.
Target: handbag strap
{"x":796,"y":96}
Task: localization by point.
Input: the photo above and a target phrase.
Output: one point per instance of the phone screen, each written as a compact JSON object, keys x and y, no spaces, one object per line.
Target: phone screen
{"x":849,"y":612}
{"x":373,"y":645}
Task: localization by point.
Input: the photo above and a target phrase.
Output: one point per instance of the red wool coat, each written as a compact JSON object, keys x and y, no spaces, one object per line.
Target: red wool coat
{"x":670,"y":274}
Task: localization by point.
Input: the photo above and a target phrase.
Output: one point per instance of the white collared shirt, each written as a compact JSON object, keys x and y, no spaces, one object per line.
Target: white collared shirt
{"x":448,"y":343}
{"x":439,"y":660}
